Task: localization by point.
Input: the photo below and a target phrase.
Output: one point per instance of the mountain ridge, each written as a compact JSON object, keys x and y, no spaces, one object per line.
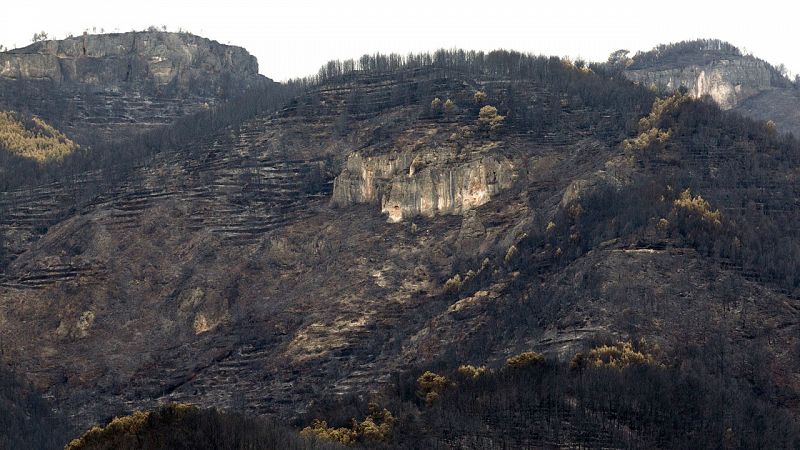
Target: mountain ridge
{"x":131,"y":57}
{"x":100,"y":88}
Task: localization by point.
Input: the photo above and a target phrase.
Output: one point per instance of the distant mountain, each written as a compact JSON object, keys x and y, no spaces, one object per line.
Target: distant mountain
{"x":735,"y":81}
{"x":100,"y":86}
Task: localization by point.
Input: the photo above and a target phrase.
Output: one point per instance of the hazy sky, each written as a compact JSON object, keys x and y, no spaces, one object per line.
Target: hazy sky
{"x":294,"y":38}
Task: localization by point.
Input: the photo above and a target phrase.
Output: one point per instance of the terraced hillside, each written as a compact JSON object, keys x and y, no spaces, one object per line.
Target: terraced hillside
{"x":94,"y":114}
{"x":237,"y":193}
{"x":367,"y":229}
{"x":236,"y":236}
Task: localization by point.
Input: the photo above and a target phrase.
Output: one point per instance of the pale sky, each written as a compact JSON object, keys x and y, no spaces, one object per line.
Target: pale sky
{"x":294,"y":38}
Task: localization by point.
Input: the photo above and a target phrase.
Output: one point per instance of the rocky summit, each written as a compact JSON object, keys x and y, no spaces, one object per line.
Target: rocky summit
{"x":126,"y":81}
{"x":187,"y":63}
{"x":449,"y":250}
{"x":734,"y":80}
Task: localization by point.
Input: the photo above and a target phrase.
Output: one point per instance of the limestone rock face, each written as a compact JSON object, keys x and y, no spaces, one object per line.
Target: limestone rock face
{"x":365,"y":178}
{"x":734,"y":81}
{"x":34,"y":66}
{"x":446,"y":189}
{"x":406,"y":184}
{"x":155,"y":60}
{"x":728,"y":81}
{"x":112,"y":85}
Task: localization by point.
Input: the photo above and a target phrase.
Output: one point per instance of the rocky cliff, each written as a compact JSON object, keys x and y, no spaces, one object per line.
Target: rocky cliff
{"x":181,"y":62}
{"x":735,"y":81}
{"x":119,"y":82}
{"x":727,"y":81}
{"x":436,"y":180}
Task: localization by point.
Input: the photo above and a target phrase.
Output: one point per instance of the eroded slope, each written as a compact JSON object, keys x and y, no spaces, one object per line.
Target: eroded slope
{"x":235,"y":275}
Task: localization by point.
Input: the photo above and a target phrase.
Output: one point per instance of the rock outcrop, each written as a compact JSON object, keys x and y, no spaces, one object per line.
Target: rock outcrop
{"x":407,"y":184}
{"x":145,"y":60}
{"x":728,"y":81}
{"x":365,"y":178}
{"x":733,"y":80}
{"x":109,"y":85}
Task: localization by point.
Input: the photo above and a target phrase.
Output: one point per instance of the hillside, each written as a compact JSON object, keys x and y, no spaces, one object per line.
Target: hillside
{"x":418,"y":213}
{"x":276,"y":211}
